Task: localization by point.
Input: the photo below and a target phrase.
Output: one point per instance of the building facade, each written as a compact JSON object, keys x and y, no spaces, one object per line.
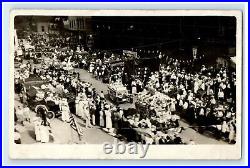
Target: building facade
{"x":81,"y":30}
{"x":42,"y":27}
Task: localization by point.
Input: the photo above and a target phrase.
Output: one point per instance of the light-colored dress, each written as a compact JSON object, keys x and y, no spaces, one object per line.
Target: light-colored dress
{"x":231,"y":133}
{"x":65,"y":112}
{"x":37,"y":124}
{"x":224,"y":127}
{"x":172,"y":106}
{"x":26,"y":113}
{"x":86,"y":114}
{"x":101,"y":119}
{"x":77,"y":106}
{"x":196,"y":87}
{"x":108,"y":119}
{"x":20,"y":115}
{"x":91,"y":68}
{"x":79,"y":109}
{"x":44,"y":132}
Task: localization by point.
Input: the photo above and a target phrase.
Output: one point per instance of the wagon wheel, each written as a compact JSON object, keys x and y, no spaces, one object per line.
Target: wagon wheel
{"x":50,"y":114}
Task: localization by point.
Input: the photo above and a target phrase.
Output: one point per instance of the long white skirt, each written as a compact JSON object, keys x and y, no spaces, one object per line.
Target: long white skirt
{"x":44,"y":132}
{"x":65,"y":115}
{"x":77,"y":109}
{"x":93,"y":119}
{"x":231,"y":135}
{"x":91,"y":69}
{"x":108,"y":120}
{"x":37,"y":133}
{"x":101,"y":119}
{"x":80,"y":110}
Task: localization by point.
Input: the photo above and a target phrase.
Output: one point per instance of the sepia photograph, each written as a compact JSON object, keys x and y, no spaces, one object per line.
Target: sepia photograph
{"x":126,"y":82}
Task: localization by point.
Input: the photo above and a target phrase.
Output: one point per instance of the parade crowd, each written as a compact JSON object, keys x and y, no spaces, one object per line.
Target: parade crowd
{"x":204,"y":98}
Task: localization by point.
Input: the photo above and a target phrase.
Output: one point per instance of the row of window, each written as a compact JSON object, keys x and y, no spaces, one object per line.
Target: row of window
{"x":76,"y":24}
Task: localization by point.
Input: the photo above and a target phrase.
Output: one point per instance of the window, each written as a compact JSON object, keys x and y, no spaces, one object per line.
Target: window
{"x":82,"y":24}
{"x":77,"y":24}
{"x":42,"y":28}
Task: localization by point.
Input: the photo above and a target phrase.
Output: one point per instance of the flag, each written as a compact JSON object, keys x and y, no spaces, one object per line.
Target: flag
{"x":74,"y":125}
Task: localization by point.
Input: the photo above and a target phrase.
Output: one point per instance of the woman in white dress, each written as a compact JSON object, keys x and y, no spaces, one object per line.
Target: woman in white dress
{"x":85,"y":108}
{"x":44,"y":132}
{"x":172,"y":105}
{"x":196,"y":87}
{"x":37,"y":123}
{"x":91,"y":68}
{"x":65,"y":110}
{"x":77,"y":105}
{"x":101,"y":118}
{"x":108,"y":119}
{"x":80,"y":110}
{"x":86,"y":114}
{"x":224,"y":129}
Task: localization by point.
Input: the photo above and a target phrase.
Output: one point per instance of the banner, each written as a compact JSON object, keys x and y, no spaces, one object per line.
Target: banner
{"x":130,"y":54}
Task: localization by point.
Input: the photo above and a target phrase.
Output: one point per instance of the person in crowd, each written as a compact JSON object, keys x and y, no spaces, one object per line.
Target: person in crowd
{"x":26,"y":113}
{"x":101,"y":120}
{"x":44,"y":132}
{"x":77,"y":106}
{"x":17,"y":137}
{"x":232,"y":132}
{"x":37,"y":124}
{"x":86,"y":113}
{"x":92,"y":107}
{"x":102,"y":97}
{"x":20,"y":115}
{"x":108,"y":118}
{"x":64,"y":107}
{"x":133,"y":85}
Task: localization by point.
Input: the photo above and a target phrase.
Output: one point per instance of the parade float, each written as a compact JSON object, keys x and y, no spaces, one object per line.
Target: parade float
{"x":119,"y":93}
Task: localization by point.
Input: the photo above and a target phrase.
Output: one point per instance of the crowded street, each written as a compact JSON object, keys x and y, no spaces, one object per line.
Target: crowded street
{"x":72,"y":91}
{"x":97,"y":135}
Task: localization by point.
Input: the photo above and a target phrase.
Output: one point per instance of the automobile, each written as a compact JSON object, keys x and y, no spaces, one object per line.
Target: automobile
{"x":36,"y":99}
{"x":119,"y":94}
{"x":48,"y":112}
